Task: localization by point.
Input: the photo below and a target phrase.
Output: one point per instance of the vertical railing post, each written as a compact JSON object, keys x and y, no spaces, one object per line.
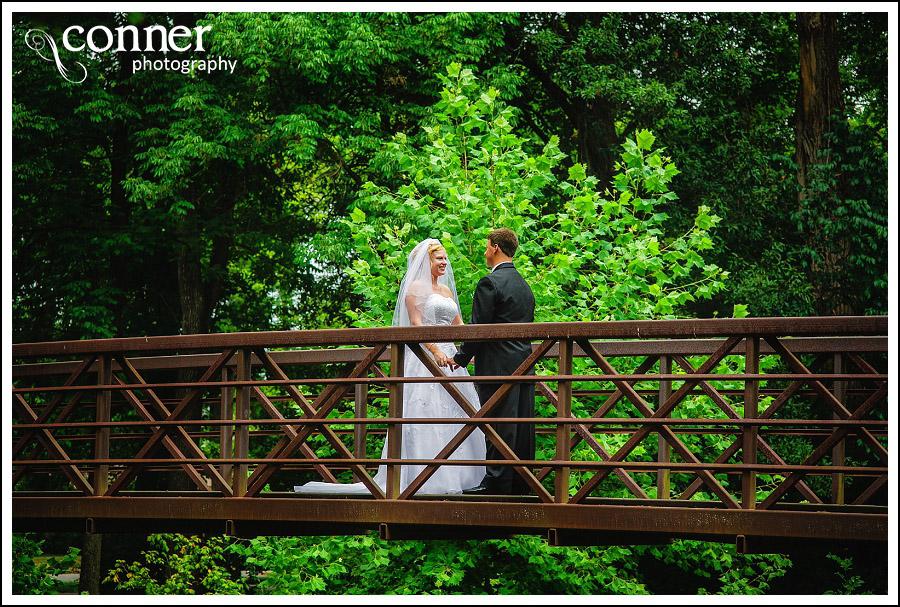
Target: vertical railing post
{"x":838,"y":452}
{"x":395,"y":431}
{"x":751,"y":411}
{"x":242,"y":432}
{"x":226,"y":411}
{"x":663,"y":448}
{"x":102,"y":414}
{"x":360,"y":410}
{"x":563,"y":431}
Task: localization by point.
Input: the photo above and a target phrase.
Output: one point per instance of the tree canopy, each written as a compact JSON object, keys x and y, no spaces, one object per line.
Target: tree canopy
{"x":219,"y":198}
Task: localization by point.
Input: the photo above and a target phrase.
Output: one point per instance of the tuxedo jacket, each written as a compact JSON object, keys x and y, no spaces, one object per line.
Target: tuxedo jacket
{"x":501,"y":296}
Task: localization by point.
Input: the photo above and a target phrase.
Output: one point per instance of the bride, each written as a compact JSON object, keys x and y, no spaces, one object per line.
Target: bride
{"x":427,"y":297}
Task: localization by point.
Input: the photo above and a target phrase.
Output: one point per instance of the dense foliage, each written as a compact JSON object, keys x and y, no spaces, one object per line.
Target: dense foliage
{"x":520,"y":565}
{"x":33,"y":573}
{"x":178,"y":564}
{"x":161,"y":166}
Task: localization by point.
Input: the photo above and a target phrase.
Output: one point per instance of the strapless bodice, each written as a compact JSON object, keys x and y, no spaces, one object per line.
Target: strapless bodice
{"x":439,"y":310}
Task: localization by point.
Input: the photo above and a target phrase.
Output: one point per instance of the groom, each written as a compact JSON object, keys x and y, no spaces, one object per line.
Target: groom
{"x":502,"y":296}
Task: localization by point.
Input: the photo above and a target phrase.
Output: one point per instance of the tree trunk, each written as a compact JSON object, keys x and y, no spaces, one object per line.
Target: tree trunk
{"x":190,"y":282}
{"x":595,"y":133}
{"x":121,"y":264}
{"x":820,"y":87}
{"x":820,"y":98}
{"x":592,"y":120}
{"x":91,"y":573}
{"x":593,"y":127}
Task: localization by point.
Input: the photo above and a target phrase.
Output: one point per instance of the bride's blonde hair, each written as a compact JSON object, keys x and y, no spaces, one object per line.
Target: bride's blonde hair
{"x":434,"y":247}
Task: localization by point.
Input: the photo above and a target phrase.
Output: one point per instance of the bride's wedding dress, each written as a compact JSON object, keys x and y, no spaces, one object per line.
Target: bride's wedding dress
{"x":424,"y":441}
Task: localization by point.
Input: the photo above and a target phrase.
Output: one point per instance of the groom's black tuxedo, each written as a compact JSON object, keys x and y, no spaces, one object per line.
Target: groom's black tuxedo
{"x":500,"y":297}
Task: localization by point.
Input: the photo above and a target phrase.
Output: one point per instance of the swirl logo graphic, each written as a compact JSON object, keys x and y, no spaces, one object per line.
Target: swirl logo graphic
{"x":39,"y":41}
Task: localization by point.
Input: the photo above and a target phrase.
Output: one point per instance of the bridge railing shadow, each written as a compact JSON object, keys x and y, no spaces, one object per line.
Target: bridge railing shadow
{"x":738,"y":414}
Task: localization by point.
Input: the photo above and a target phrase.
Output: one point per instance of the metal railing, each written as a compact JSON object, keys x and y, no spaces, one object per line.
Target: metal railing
{"x":606,"y":428}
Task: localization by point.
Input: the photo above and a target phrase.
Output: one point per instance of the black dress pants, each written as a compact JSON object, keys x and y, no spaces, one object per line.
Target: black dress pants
{"x":518,"y":402}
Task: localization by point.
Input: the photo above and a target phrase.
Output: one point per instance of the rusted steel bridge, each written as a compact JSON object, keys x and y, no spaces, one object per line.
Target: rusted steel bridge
{"x":766,"y":432}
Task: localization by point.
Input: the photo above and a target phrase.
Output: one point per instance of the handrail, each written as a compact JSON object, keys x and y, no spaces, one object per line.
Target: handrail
{"x":621,"y":329}
{"x":799,"y":345}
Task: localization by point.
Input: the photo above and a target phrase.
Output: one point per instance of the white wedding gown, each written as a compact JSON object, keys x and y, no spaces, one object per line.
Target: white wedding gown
{"x":424,"y":441}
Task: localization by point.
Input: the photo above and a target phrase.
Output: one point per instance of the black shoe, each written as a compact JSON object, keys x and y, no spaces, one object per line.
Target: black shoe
{"x":483,"y":489}
{"x":478,"y":490}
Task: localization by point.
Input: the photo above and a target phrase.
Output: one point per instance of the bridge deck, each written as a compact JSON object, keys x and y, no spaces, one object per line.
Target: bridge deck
{"x":599,"y":521}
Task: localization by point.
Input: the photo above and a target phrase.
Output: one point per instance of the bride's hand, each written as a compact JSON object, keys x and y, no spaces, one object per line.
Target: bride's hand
{"x":442,"y":360}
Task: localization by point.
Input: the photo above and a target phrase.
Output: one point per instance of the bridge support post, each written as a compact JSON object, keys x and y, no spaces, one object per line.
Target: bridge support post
{"x":226,"y":411}
{"x":751,"y":403}
{"x":361,"y":405}
{"x":242,"y":432}
{"x":394,"y":431}
{"x":663,"y":448}
{"x":101,"y":437}
{"x":563,"y":431}
{"x":839,"y":450}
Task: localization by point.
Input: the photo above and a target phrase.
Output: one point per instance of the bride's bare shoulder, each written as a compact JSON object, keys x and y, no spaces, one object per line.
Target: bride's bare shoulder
{"x":445,"y":290}
{"x":418,"y":288}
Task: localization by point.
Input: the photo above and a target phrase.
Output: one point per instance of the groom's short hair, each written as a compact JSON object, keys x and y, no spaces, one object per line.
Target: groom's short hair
{"x":505,"y":239}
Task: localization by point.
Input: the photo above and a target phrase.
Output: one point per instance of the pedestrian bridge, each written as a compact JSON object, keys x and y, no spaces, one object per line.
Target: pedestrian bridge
{"x":766,"y":432}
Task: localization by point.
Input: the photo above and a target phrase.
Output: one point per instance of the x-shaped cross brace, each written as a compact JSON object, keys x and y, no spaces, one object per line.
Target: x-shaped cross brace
{"x":53,"y":447}
{"x":178,"y":413}
{"x":583,"y":433}
{"x":29,"y":435}
{"x":662,"y":411}
{"x":764,"y":447}
{"x":170,"y":445}
{"x":317,"y":410}
{"x":483,"y":412}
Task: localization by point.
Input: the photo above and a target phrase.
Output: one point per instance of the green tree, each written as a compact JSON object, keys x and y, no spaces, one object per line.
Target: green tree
{"x":212,"y":183}
{"x":720,"y":90}
{"x":598,"y":257}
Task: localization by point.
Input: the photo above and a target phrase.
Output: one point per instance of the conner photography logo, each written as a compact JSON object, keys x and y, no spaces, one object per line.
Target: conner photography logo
{"x":129,"y":38}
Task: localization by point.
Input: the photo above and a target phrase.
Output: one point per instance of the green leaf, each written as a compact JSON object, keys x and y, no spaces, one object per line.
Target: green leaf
{"x":645,"y":139}
{"x":577,"y":173}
